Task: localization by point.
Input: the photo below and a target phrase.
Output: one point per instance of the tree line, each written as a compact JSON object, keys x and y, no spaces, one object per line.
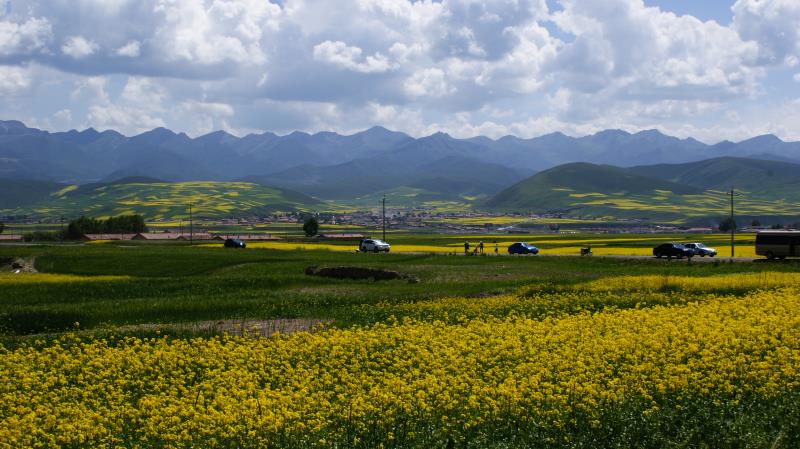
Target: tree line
{"x":122,"y":224}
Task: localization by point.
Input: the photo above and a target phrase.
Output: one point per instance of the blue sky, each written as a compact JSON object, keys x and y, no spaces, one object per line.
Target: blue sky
{"x":708,"y":69}
{"x":717,"y":10}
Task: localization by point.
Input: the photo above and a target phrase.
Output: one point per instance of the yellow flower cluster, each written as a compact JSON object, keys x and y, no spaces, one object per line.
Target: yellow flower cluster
{"x":48,"y":278}
{"x":739,"y":281}
{"x":615,"y":292}
{"x":401,"y":384}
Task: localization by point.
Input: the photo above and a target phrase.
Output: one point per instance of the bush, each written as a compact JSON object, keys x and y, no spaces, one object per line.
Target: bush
{"x":43,"y":236}
{"x":727,"y":224}
{"x":311,"y":227}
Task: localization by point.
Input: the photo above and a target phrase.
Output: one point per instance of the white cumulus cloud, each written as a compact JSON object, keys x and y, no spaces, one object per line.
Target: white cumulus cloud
{"x":131,"y":50}
{"x":430,"y":82}
{"x":340,"y":54}
{"x":774,"y":25}
{"x":24,"y":38}
{"x":482,"y":66}
{"x":78,"y":47}
{"x":13,"y":80}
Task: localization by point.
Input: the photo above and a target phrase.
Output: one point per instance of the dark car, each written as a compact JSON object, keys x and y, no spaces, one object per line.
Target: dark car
{"x":670,"y":250}
{"x":522,"y":248}
{"x":235,"y":243}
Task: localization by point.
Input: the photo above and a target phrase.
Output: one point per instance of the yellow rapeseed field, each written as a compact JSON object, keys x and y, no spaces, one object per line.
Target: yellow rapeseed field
{"x":501,"y":382}
{"x":693,"y":284}
{"x":47,"y":278}
{"x":548,"y":244}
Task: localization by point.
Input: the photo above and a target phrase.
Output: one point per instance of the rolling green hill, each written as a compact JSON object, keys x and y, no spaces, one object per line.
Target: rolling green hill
{"x":164,"y":200}
{"x":16,"y":193}
{"x":764,"y":177}
{"x":588,"y":190}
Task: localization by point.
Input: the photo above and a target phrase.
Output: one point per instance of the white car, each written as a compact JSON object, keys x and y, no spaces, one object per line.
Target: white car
{"x":373,"y":245}
{"x":701,"y":250}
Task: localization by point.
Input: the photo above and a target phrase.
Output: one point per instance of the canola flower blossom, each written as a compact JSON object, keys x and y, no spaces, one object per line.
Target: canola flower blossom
{"x":695,"y":284}
{"x":501,"y":382}
{"x":48,"y":278}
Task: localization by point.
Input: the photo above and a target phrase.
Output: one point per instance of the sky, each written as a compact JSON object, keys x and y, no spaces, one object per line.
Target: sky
{"x":709,"y":69}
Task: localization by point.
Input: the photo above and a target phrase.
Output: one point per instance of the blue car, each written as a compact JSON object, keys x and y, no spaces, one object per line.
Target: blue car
{"x":522,"y":248}
{"x":235,"y":243}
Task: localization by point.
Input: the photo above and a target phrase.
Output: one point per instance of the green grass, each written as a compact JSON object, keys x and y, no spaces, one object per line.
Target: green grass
{"x":174,"y":283}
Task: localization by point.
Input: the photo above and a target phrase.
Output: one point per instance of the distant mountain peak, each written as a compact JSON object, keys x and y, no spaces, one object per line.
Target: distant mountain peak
{"x":157,"y":132}
{"x":650,"y":132}
{"x":764,"y":139}
{"x":216,"y":137}
{"x":377,"y":129}
{"x":12,"y":123}
{"x":16,"y":127}
{"x":612,"y":133}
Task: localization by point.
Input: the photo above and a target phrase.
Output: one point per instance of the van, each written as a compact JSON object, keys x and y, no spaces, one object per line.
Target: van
{"x":778,"y":244}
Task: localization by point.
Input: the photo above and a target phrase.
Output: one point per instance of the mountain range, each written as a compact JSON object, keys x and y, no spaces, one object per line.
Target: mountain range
{"x":328,"y":165}
{"x":686,"y":193}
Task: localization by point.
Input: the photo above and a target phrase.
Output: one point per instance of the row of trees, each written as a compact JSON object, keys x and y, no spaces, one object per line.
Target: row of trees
{"x":123,"y":224}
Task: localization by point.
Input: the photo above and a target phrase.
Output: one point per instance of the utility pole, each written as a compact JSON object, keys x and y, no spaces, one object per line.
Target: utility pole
{"x":732,"y":224}
{"x":191,"y":225}
{"x":384,"y":216}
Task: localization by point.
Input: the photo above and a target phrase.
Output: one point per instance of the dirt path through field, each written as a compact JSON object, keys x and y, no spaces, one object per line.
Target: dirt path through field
{"x":250,"y":327}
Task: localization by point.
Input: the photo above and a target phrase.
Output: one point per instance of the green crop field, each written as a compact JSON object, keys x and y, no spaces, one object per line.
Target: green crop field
{"x":166,"y":202}
{"x":163,"y":345}
{"x":665,"y":206}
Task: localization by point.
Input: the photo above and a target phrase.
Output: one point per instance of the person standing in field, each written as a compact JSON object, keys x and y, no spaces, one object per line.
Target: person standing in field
{"x":495,"y":247}
{"x":466,"y":248}
{"x":480,"y":247}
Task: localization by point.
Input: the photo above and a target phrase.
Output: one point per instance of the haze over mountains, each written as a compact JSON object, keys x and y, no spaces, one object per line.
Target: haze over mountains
{"x":334,"y":166}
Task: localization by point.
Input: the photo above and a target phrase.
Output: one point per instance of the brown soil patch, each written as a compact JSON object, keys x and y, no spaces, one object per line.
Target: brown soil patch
{"x":18,"y":265}
{"x":357,"y":273}
{"x":248,"y":327}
